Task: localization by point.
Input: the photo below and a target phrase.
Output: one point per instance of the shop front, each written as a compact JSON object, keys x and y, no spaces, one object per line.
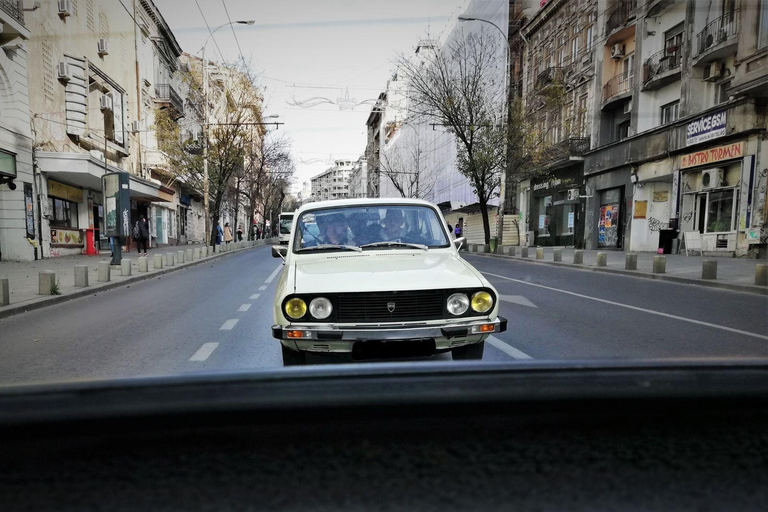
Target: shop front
{"x":608,"y":207}
{"x":556,"y":209}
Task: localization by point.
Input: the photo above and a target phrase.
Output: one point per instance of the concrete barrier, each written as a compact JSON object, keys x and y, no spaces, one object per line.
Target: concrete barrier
{"x":188,"y":255}
{"x":105,"y":272}
{"x":523,"y":252}
{"x":46,"y":282}
{"x":125,"y":267}
{"x":209,"y":252}
{"x":630,"y":261}
{"x":709,"y":269}
{"x":203,"y":252}
{"x":143,"y":264}
{"x":659,"y":264}
{"x":81,"y":276}
{"x":761,"y":274}
{"x":602,"y":259}
{"x":578,"y":257}
{"x":539,"y":253}
{"x":506,"y":250}
{"x":170,"y":259}
{"x":179,"y":257}
{"x":196,"y":254}
{"x":158,"y":261}
{"x":558,"y":255}
{"x":5,"y":292}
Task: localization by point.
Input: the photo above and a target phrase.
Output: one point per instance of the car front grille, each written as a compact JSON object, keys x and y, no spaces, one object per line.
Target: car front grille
{"x":405,"y":306}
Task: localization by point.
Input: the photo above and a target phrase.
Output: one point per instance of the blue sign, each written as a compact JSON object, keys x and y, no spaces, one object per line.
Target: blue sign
{"x":705,"y":128}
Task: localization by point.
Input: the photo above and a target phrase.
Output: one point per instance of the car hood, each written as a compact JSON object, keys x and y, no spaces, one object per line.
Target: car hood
{"x":383,"y":271}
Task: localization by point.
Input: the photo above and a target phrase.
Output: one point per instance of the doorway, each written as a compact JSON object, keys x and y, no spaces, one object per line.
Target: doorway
{"x":609,"y":222}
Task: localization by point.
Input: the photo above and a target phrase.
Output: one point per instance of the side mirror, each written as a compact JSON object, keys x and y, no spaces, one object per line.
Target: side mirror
{"x":459,"y":243}
{"x":278,"y":251}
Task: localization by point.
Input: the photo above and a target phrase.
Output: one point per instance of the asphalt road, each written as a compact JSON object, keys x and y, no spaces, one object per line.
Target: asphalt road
{"x":216,"y":317}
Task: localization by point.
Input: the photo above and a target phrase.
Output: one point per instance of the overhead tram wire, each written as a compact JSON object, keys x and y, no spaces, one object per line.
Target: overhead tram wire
{"x":232,"y":26}
{"x":221,"y":54}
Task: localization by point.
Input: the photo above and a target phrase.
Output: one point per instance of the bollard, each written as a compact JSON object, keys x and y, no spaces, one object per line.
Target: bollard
{"x":81,"y":276}
{"x":170,"y":259}
{"x":165,"y":260}
{"x":523,"y":252}
{"x":558,"y":255}
{"x":143,"y":264}
{"x":179,"y":257}
{"x":198,"y":253}
{"x":659,"y":264}
{"x":578,"y":257}
{"x":47,"y":280}
{"x":209,"y":252}
{"x":485,"y":248}
{"x":5,"y":292}
{"x":125,"y":267}
{"x":630,"y":261}
{"x":188,"y":255}
{"x":761,"y":275}
{"x":602,"y":259}
{"x":203,"y":252}
{"x":158,"y":262}
{"x":506,"y":250}
{"x":105,"y":272}
{"x":709,"y":269}
{"x":539,"y":253}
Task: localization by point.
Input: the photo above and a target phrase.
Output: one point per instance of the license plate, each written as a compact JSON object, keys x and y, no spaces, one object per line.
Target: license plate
{"x":392,"y":349}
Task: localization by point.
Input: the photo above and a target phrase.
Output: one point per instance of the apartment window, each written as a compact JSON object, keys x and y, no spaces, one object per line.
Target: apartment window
{"x":581,"y":116}
{"x":669,"y":112}
{"x":723,"y":92}
{"x":622,"y":130}
{"x":762,"y":37}
{"x":590,"y":34}
{"x":575,"y":47}
{"x":628,"y":67}
{"x":716,"y":211}
{"x":64,"y":213}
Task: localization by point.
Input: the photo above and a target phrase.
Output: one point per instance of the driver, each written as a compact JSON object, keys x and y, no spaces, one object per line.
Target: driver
{"x":392,"y":225}
{"x":333,"y":229}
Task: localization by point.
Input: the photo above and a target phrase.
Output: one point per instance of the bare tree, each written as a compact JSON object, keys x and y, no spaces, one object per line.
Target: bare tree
{"x":460,"y":87}
{"x":405,"y":167}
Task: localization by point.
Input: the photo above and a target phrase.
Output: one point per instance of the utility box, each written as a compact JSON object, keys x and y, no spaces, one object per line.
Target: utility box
{"x":117,"y":197}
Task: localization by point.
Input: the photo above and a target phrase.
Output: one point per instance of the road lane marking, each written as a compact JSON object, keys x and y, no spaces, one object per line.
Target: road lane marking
{"x":518,"y":299}
{"x":255,"y":296}
{"x":274,"y":274}
{"x":204,"y":352}
{"x":262,"y":288}
{"x":636,"y":308}
{"x":507,"y":348}
{"x":229,"y":324}
{"x":244,"y":307}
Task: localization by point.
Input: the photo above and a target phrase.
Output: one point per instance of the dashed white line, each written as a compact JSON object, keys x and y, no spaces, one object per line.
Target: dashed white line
{"x":229,"y":324}
{"x":262,"y":288}
{"x":635,"y":308}
{"x":274,"y":274}
{"x":255,"y":296}
{"x":204,"y":352}
{"x":244,"y":307}
{"x":507,"y":349}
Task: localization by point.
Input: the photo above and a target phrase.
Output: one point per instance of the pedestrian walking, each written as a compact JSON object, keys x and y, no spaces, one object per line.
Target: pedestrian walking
{"x":227,"y":233}
{"x":239,"y":233}
{"x":457,"y":230}
{"x":141,"y":235}
{"x":258,"y":233}
{"x":219,"y":234}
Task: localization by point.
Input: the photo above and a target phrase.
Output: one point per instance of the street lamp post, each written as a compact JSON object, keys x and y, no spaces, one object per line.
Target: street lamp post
{"x":206,"y":205}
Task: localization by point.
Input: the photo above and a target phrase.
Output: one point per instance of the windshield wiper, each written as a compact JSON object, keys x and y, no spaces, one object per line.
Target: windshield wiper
{"x":330,"y":246}
{"x":395,"y":244}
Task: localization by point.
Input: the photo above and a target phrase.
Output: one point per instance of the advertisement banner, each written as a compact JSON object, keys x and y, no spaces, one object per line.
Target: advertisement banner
{"x":706,"y":128}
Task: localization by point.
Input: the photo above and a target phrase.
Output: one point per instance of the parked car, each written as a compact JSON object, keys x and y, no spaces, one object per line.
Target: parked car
{"x":379,"y":278}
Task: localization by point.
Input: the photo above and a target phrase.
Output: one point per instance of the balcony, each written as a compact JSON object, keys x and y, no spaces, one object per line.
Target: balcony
{"x":549,"y":76}
{"x":13,"y":9}
{"x":718,"y":39}
{"x":662,"y":68}
{"x":563,"y":153}
{"x":618,"y":87}
{"x":622,"y":13}
{"x":167,"y":98}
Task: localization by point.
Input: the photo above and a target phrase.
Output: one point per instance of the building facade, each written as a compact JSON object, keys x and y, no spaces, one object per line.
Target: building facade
{"x":333,"y":183}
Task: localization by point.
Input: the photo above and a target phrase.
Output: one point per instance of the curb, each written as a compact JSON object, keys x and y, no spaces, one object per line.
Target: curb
{"x":744,"y":288}
{"x":91,"y":290}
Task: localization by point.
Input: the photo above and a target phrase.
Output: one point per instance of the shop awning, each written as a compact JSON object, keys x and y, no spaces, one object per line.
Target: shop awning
{"x":475,"y":208}
{"x":84,"y":170}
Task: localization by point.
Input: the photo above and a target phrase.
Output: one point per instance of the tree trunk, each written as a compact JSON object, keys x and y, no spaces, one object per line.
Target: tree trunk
{"x":216,"y":216}
{"x":486,"y":222}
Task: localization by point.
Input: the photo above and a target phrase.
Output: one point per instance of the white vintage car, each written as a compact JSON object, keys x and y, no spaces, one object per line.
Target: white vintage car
{"x":377,"y":279}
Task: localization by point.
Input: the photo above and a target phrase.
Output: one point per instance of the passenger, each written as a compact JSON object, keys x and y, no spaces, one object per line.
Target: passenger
{"x":334,"y":229}
{"x":392,"y":225}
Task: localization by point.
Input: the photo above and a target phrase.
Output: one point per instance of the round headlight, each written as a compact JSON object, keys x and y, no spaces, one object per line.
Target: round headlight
{"x":320,"y":308}
{"x":458,"y":303}
{"x":482,"y":302}
{"x":295,"y":308}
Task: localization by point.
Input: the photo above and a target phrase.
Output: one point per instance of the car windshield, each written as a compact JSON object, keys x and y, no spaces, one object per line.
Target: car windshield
{"x":386,"y":226}
{"x":194,"y":187}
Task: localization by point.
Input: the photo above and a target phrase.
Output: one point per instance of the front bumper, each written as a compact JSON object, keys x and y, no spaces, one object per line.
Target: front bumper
{"x":341,"y":338}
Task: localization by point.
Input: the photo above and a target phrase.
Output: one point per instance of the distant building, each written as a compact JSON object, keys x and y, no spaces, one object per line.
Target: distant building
{"x":332,"y":183}
{"x":358,"y":178}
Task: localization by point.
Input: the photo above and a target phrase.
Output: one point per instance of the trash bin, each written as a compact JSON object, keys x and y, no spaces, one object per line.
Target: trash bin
{"x":493,"y":243}
{"x":665,"y":240}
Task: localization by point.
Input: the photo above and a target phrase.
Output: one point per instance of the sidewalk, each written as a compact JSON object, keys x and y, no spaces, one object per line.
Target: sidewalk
{"x":732,"y":273}
{"x":23,"y":277}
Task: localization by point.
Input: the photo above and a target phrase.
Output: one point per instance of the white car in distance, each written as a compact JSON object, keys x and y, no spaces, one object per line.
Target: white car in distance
{"x":376,"y":279}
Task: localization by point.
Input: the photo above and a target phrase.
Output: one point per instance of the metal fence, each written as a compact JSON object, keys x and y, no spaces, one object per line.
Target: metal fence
{"x":668,"y":59}
{"x":718,"y":31}
{"x":619,"y":84}
{"x":620,"y":14}
{"x":13,"y":8}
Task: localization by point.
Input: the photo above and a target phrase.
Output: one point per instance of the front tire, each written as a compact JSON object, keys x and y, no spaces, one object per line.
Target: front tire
{"x":468,"y":352}
{"x":292,"y":357}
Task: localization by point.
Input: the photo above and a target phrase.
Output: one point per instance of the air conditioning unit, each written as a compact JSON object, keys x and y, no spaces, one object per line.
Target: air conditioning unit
{"x":617,"y":51}
{"x":713,"y":72}
{"x":628,"y":107}
{"x":103,"y":47}
{"x":105,"y":102}
{"x":711,"y":178}
{"x":65,"y":8}
{"x":63,"y":72}
{"x":135,"y":126}
{"x":573,"y":194}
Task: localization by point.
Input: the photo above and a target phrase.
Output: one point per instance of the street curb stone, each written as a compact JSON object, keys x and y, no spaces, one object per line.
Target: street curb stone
{"x":745,"y":288}
{"x":92,"y":290}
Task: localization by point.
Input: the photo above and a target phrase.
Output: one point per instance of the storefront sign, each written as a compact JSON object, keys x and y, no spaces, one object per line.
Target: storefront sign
{"x":712,"y":155}
{"x":661,"y":196}
{"x":63,"y":191}
{"x":570,"y":219}
{"x":29,"y":213}
{"x":117,"y":100}
{"x":552,"y":183}
{"x":641,"y":209}
{"x":705,"y":128}
{"x":66,"y":237}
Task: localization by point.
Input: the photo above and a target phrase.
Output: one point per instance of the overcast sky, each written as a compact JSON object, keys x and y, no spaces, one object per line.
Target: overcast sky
{"x":313,"y":48}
